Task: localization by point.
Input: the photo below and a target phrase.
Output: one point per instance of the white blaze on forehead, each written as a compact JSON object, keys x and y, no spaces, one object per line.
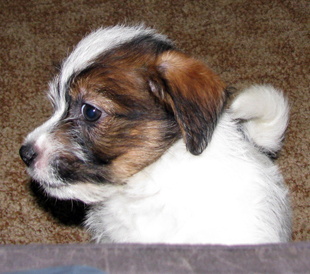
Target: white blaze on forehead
{"x":98,"y":42}
{"x":88,"y":49}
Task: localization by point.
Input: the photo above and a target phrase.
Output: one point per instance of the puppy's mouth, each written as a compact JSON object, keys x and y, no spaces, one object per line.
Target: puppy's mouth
{"x":67,"y":170}
{"x":71,"y":171}
{"x":69,"y":178}
{"x":52,"y":170}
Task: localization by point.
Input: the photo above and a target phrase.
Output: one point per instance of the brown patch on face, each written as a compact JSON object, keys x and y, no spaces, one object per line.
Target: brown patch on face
{"x":135,"y":128}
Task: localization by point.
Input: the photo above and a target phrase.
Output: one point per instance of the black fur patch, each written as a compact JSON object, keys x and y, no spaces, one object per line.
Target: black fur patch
{"x":67,"y":212}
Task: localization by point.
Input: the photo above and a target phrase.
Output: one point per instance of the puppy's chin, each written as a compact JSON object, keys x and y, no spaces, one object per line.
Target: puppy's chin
{"x":55,"y":186}
{"x":85,"y":192}
{"x":45,"y":176}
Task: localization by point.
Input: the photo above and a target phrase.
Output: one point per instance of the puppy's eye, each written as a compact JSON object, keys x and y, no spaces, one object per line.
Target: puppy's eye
{"x":90,"y":113}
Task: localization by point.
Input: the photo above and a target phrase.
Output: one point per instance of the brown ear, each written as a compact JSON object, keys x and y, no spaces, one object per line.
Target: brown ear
{"x":195,"y":94}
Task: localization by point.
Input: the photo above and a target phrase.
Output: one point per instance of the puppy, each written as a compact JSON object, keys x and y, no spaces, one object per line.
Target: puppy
{"x":139,"y":132}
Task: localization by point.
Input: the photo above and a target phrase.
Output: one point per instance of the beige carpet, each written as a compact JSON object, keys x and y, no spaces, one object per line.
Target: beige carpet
{"x":254,"y":41}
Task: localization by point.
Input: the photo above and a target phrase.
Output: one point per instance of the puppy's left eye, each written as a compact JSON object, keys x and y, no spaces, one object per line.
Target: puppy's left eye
{"x":90,"y":113}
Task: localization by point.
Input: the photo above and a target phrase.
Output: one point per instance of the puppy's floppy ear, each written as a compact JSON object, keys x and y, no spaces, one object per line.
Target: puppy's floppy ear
{"x":194,"y":93}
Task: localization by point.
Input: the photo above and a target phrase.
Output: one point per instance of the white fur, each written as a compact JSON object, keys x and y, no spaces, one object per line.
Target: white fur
{"x":231,"y":194}
{"x":264,"y":106}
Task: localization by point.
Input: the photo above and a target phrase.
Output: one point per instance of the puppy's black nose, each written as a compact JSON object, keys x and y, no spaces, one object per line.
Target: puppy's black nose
{"x":27,"y":154}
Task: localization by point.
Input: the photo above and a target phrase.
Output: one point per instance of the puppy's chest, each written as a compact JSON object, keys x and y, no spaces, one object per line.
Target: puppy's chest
{"x":132,"y":219}
{"x":169,"y":199}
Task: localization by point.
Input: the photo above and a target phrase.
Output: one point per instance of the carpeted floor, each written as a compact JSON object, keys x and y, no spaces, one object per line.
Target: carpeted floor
{"x":254,"y":41}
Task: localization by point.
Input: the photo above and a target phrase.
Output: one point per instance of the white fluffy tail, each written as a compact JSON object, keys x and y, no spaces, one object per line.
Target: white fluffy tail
{"x":264,"y":112}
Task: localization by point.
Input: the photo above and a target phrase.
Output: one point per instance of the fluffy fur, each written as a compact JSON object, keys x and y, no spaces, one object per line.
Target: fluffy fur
{"x":140,"y":133}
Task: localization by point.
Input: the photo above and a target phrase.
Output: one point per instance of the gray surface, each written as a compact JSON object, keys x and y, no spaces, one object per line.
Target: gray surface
{"x":76,"y":269}
{"x":131,"y":258}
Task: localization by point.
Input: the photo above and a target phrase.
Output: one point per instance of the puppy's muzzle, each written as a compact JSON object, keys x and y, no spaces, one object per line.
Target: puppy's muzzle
{"x":27,"y":154}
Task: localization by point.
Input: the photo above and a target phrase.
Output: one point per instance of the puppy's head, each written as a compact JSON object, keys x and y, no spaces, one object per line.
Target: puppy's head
{"x":123,"y":97}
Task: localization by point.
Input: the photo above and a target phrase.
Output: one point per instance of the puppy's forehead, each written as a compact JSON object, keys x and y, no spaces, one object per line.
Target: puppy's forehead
{"x":99,"y":43}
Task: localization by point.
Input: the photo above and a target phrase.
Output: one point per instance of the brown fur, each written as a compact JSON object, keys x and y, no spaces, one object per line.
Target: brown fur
{"x":196,"y":95}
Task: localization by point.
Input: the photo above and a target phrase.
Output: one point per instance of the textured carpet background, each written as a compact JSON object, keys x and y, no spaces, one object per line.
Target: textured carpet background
{"x":246,"y":42}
